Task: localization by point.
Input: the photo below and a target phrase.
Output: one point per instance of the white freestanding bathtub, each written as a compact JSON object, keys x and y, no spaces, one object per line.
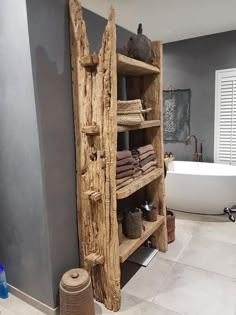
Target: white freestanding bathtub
{"x":205,"y":188}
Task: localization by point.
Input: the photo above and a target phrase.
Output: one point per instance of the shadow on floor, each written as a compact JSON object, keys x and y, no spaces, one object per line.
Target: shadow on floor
{"x":128,"y":270}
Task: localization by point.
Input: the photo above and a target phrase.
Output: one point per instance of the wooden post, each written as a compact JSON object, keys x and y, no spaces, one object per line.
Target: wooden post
{"x":152,"y":87}
{"x":95,"y":104}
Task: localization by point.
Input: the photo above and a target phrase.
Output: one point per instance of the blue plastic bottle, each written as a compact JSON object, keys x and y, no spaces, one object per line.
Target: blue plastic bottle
{"x":3,"y":284}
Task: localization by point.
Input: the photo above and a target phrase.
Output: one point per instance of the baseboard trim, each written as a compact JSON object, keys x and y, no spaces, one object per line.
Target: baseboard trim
{"x":33,"y":302}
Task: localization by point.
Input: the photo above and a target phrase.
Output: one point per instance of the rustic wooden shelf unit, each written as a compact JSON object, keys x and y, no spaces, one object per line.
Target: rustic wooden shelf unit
{"x":94,"y":80}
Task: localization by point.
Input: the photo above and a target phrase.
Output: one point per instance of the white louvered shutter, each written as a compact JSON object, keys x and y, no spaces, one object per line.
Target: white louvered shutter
{"x":225,"y":117}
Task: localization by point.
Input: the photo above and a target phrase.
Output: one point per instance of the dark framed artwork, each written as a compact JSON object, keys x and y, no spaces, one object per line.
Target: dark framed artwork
{"x":176,"y":115}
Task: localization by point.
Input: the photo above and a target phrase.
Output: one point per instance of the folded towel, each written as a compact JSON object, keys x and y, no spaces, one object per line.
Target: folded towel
{"x":125,"y":174}
{"x":148,"y":165}
{"x":123,"y":154}
{"x":148,"y":159}
{"x":121,"y":180}
{"x":124,"y":168}
{"x":125,"y":161}
{"x":149,"y":170}
{"x":145,"y":155}
{"x":137,"y":174}
{"x":145,"y":149}
{"x":134,"y":152}
{"x":127,"y":182}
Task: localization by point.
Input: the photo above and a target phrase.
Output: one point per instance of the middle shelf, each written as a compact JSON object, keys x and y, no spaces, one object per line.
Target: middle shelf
{"x":128,"y":246}
{"x":138,"y":183}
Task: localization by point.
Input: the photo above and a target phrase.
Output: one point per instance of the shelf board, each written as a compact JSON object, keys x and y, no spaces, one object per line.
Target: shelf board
{"x":128,"y":246}
{"x":138,"y":184}
{"x":130,"y":66}
{"x":143,"y":125}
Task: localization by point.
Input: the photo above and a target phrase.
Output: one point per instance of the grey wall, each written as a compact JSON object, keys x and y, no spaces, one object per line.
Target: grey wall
{"x":24,"y":238}
{"x":95,"y":25}
{"x":50,"y":53}
{"x":192,"y":64}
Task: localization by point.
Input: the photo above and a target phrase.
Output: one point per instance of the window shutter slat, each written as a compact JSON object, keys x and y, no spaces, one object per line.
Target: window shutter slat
{"x":225,"y":117}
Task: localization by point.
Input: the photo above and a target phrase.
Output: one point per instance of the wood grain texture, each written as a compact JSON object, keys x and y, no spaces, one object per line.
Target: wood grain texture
{"x":130,"y":66}
{"x":95,"y":103}
{"x":138,"y":184}
{"x":91,"y":130}
{"x":152,"y":87}
{"x":128,"y":246}
{"x":89,"y":60}
{"x":143,"y":125}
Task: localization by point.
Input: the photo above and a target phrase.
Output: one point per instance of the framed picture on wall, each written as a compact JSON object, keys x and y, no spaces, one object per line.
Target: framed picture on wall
{"x":176,"y":115}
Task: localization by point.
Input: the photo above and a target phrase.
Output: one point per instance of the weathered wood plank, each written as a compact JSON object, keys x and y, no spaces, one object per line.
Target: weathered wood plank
{"x":95,"y":103}
{"x":79,"y":47}
{"x":152,"y":87}
{"x":107,"y":69}
{"x":143,"y":125}
{"x":130,"y":66}
{"x":138,"y":184}
{"x":128,"y":246}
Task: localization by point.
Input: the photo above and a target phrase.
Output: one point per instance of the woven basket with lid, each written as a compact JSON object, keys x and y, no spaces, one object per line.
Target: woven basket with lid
{"x":76,"y":296}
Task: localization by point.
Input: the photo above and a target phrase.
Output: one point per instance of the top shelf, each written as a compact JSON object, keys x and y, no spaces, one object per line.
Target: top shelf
{"x":125,"y":65}
{"x":133,"y":67}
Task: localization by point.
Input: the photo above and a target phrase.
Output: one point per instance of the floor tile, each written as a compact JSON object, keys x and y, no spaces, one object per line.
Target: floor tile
{"x":19,"y":307}
{"x":188,"y":223}
{"x":223,"y":230}
{"x":176,"y":248}
{"x":131,"y":305}
{"x":147,"y":281}
{"x":214,"y":227}
{"x":4,"y":311}
{"x":192,"y":291}
{"x":212,"y":255}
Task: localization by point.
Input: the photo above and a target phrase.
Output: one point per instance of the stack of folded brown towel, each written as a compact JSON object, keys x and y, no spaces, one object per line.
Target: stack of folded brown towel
{"x":146,"y":157}
{"x":125,"y":168}
{"x":137,"y":168}
{"x":130,"y":165}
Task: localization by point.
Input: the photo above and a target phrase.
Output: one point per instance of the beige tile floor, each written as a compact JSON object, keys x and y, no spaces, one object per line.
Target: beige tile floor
{"x":196,"y":277}
{"x":15,"y":306}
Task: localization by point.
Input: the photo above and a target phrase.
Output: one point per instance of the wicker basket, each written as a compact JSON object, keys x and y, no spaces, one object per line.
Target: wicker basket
{"x":170,"y":226}
{"x":130,"y":112}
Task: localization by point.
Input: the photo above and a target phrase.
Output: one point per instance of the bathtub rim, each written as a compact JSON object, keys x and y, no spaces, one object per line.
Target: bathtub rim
{"x":200,"y":174}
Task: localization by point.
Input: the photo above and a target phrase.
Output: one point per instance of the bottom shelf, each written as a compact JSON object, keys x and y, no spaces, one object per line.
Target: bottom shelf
{"x":128,"y":246}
